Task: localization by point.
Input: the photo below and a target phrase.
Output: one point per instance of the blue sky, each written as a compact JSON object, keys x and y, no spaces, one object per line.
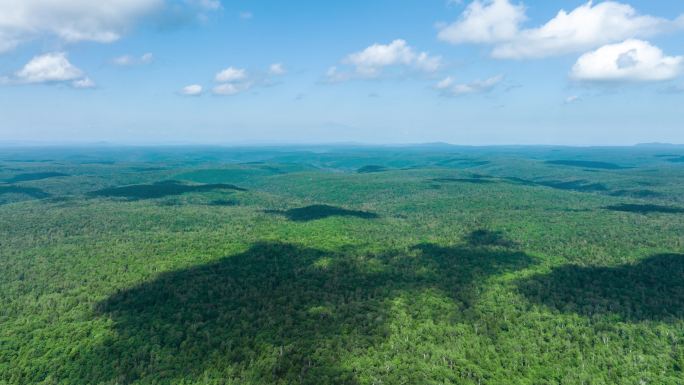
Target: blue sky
{"x":256,"y":71}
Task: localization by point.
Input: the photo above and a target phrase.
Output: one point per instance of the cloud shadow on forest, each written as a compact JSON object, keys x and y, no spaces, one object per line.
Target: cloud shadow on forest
{"x":30,"y":191}
{"x":652,"y":289}
{"x":314,"y":212}
{"x":160,"y":190}
{"x":645,"y":209}
{"x":277,"y":313}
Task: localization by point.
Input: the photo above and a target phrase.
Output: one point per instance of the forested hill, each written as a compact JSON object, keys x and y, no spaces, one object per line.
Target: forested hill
{"x":342,"y":265}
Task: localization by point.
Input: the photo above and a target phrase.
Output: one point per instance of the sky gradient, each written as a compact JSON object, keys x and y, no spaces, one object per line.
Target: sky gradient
{"x":255,"y":71}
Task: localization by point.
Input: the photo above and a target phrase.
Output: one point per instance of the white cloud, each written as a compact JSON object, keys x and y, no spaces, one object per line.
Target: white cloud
{"x":50,"y":67}
{"x":572,"y":99}
{"x":448,"y":87}
{"x":276,"y":69}
{"x":445,"y":83}
{"x":83,"y":83}
{"x":427,"y":63}
{"x":192,"y":90}
{"x":231,"y":74}
{"x":485,"y":22}
{"x":232,"y":80}
{"x":146,"y":58}
{"x":245,"y":15}
{"x":210,"y":5}
{"x":371,"y":61}
{"x":231,"y":88}
{"x":70,"y":20}
{"x":586,"y":27}
{"x":124,"y":60}
{"x":630,"y":61}
{"x":333,"y":75}
{"x":128,"y":60}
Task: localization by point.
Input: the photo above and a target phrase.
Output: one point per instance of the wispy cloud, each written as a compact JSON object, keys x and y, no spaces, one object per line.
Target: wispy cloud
{"x":210,"y":5}
{"x":130,"y":60}
{"x":192,"y":90}
{"x":277,"y":69}
{"x":449,"y":87}
{"x":572,"y":99}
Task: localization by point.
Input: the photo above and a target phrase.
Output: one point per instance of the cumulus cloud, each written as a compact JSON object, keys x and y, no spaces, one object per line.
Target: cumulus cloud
{"x":630,"y":61}
{"x":51,"y":67}
{"x":192,"y":90}
{"x":498,"y":22}
{"x":70,"y":20}
{"x":449,"y":87}
{"x":485,"y":22}
{"x":231,"y":74}
{"x":232,"y":81}
{"x":370,"y":62}
{"x":48,"y":68}
{"x":129,"y":60}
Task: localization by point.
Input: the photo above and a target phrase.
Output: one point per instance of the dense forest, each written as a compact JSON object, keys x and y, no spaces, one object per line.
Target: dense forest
{"x":430,"y":264}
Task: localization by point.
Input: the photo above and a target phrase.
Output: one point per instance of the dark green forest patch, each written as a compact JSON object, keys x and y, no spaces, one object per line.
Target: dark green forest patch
{"x":277,"y":313}
{"x":483,"y":237}
{"x":161,"y":189}
{"x":101,"y":162}
{"x":652,"y":289}
{"x":30,"y":191}
{"x":34,"y":176}
{"x":371,"y":168}
{"x":148,"y":169}
{"x":224,"y":202}
{"x":520,"y":181}
{"x":574,"y":185}
{"x":314,"y":212}
{"x":587,"y":164}
{"x":637,"y":193}
{"x":645,"y":209}
{"x":462,"y":162}
{"x":29,"y":160}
